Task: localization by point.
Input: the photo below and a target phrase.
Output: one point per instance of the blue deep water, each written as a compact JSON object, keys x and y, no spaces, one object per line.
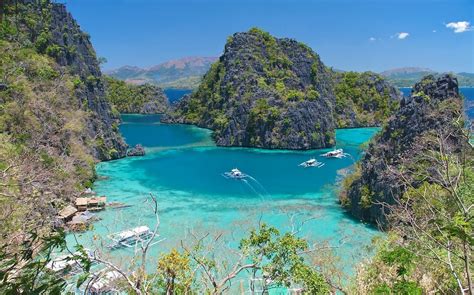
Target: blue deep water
{"x":183,"y":169}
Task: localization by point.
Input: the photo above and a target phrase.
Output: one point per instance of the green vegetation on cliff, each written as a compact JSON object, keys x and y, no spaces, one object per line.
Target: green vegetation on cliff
{"x":142,"y":99}
{"x":276,"y":93}
{"x":363,"y":99}
{"x":55,"y":122}
{"x":417,"y":181}
{"x":264,"y":92}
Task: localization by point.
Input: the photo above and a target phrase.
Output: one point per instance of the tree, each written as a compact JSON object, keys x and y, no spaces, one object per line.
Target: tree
{"x":267,"y":256}
{"x":175,"y":275}
{"x":23,"y":269}
{"x":432,"y":223}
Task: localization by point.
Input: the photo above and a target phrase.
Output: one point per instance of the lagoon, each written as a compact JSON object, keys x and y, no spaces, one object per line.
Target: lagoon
{"x":183,"y":169}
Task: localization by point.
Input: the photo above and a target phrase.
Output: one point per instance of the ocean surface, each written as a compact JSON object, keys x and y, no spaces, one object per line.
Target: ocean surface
{"x":184,"y":170}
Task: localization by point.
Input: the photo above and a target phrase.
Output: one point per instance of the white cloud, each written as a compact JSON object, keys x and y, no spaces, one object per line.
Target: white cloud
{"x":459,"y":27}
{"x":402,"y":35}
{"x":372,"y":39}
{"x":434,"y":31}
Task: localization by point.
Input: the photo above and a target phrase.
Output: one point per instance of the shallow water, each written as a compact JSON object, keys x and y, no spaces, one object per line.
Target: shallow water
{"x":183,"y":169}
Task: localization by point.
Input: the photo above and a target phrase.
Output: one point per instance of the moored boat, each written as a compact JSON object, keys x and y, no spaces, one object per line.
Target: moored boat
{"x":338,"y":153}
{"x":311,"y":163}
{"x":130,"y":237}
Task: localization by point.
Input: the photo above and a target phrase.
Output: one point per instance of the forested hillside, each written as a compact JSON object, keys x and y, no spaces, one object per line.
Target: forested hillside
{"x":55,"y":121}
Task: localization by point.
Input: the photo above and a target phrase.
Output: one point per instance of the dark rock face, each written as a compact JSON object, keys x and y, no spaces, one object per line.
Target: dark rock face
{"x":264,"y":92}
{"x":157,"y":105}
{"x":433,"y":106}
{"x":60,"y":37}
{"x":136,"y":151}
{"x":83,"y":62}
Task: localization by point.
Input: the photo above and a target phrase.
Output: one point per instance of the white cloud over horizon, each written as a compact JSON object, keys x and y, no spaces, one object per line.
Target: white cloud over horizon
{"x":402,"y":35}
{"x":460,"y":27}
{"x":372,"y":39}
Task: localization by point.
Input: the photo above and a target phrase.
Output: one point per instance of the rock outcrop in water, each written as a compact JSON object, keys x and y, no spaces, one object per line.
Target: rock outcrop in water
{"x":137,"y":151}
{"x":434,"y":106}
{"x":276,"y":93}
{"x":137,"y":99}
{"x":264,"y":92}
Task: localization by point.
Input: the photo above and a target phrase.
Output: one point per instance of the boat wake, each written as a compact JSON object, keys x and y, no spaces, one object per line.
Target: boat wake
{"x":257,"y":187}
{"x":253,"y":184}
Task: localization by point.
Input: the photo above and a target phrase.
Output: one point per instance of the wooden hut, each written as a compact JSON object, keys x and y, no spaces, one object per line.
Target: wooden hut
{"x":67,"y":213}
{"x":91,"y":204}
{"x":96,"y":203}
{"x":81,"y":204}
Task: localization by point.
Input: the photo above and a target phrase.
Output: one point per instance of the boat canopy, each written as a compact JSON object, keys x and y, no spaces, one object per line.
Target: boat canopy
{"x":138,"y":231}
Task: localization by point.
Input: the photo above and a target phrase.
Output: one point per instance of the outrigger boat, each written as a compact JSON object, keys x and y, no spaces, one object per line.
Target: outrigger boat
{"x":68,"y":265}
{"x":312,"y":163}
{"x":107,"y":283}
{"x":339,"y":153}
{"x":235,"y":173}
{"x":131,"y":237}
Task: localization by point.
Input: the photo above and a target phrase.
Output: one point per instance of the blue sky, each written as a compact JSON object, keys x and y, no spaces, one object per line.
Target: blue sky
{"x":348,"y":35}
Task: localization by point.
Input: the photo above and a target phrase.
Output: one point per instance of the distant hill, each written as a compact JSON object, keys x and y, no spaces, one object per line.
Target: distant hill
{"x":407,"y":77}
{"x":184,"y":73}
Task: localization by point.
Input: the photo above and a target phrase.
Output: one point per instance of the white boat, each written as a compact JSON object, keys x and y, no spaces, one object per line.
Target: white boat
{"x":311,"y":163}
{"x":130,"y":237}
{"x":235,"y":173}
{"x":68,"y":264}
{"x":106,"y":284}
{"x":339,"y":153}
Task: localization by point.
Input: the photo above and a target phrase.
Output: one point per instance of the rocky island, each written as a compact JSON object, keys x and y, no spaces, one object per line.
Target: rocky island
{"x":276,"y":93}
{"x":264,"y":92}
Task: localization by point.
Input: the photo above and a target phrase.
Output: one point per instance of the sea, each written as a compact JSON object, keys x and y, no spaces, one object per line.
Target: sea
{"x":185,"y":171}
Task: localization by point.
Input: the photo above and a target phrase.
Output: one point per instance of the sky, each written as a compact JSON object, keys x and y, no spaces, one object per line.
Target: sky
{"x":354,"y":35}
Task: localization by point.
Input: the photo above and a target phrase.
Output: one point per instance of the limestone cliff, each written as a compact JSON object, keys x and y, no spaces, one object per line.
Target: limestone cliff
{"x":55,"y":121}
{"x":264,"y":92}
{"x":434,"y":109}
{"x":138,"y":99}
{"x":52,"y":31}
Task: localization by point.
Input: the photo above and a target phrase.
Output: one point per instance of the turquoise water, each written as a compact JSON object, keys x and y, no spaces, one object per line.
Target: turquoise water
{"x":183,"y":169}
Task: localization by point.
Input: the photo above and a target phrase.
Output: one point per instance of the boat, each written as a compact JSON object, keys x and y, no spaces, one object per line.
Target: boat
{"x":312,"y":163}
{"x":69,"y":264}
{"x":235,"y":173}
{"x":339,"y":153}
{"x":106,"y":283}
{"x":131,"y":237}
